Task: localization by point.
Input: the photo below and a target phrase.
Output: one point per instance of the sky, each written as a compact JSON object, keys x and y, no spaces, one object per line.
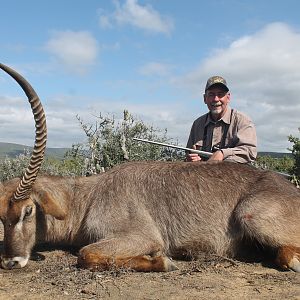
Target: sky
{"x":152,"y":58}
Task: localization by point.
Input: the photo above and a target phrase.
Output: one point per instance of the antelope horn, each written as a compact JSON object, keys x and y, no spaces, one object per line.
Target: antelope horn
{"x":28,"y":179}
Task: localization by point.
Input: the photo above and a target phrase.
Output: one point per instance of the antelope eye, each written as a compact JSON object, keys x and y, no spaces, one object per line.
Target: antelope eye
{"x":28,"y":211}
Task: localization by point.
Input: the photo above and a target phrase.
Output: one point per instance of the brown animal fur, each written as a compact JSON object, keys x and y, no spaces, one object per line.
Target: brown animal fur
{"x":138,"y":214}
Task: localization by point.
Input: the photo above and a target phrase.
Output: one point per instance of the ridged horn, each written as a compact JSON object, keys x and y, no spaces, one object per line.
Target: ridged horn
{"x":37,"y":156}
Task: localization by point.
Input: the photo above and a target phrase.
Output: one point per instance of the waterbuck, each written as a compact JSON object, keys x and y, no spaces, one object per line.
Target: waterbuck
{"x":139,"y":215}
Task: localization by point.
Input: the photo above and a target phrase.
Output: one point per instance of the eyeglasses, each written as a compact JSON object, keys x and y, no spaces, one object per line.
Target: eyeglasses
{"x":219,"y":95}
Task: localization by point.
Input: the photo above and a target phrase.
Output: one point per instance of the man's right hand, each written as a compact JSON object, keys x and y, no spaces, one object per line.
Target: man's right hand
{"x":193,"y":156}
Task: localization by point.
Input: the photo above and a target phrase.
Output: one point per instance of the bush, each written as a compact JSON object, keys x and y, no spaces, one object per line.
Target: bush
{"x":296,"y":154}
{"x":15,"y":167}
{"x":110,"y":142}
{"x":284,"y":164}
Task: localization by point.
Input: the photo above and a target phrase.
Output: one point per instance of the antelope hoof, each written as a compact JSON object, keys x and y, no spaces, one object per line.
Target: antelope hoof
{"x":294,"y":264}
{"x":289,"y":258}
{"x":169,"y":265}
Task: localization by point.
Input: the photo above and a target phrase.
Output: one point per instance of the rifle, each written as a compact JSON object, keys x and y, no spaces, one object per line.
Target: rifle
{"x":201,"y":153}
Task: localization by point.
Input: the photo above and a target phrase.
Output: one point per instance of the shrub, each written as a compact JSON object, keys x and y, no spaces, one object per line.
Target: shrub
{"x":296,"y":154}
{"x":110,"y":142}
{"x":284,"y":164}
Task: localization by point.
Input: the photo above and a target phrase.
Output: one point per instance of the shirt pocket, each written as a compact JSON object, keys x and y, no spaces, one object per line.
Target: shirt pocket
{"x":199,"y":145}
{"x":231,"y":141}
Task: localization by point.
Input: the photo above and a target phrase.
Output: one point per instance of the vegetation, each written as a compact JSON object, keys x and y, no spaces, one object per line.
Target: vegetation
{"x":15,"y":167}
{"x":110,"y":142}
{"x":283,"y":164}
{"x":296,"y":154}
{"x":289,"y":164}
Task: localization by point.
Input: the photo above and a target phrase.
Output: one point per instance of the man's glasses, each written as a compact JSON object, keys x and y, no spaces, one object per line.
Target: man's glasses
{"x":219,"y":95}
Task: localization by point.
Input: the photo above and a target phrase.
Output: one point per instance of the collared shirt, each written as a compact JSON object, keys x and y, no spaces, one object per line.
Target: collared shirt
{"x":240,"y":140}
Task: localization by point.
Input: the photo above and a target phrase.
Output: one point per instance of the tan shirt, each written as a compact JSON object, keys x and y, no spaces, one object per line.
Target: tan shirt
{"x":240,"y":142}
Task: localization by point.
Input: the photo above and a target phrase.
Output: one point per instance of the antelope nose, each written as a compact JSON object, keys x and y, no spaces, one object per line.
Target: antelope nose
{"x":11,"y":264}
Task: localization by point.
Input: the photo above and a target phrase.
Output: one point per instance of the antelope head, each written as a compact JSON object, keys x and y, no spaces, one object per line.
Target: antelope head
{"x":17,"y":208}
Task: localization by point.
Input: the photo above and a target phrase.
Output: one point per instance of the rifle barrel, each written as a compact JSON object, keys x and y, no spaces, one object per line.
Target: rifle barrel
{"x":201,"y":153}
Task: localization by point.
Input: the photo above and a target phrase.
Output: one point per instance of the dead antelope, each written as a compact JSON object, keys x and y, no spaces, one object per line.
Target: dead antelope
{"x":137,"y":215}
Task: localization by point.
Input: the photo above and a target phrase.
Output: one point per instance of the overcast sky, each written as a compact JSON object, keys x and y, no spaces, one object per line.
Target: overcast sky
{"x":152,"y":58}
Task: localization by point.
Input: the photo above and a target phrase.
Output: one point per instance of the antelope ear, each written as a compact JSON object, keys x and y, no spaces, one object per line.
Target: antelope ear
{"x":48,"y":204}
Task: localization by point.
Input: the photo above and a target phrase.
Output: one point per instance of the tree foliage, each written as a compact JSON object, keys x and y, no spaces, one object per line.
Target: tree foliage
{"x":284,"y":164}
{"x":110,"y":142}
{"x":296,"y":154}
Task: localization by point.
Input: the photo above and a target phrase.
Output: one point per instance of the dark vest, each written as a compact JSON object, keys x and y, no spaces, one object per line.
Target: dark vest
{"x":207,"y":146}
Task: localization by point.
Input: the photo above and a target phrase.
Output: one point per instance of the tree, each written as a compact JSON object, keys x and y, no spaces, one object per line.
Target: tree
{"x":296,"y":154}
{"x":110,"y":142}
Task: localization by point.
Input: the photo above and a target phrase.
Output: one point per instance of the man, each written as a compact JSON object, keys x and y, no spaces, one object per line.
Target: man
{"x":229,"y":134}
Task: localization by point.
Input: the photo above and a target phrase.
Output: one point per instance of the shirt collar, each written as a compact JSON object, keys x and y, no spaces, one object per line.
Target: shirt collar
{"x":226,"y":118}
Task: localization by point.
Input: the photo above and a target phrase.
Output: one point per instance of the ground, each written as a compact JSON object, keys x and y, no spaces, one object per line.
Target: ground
{"x":211,"y":277}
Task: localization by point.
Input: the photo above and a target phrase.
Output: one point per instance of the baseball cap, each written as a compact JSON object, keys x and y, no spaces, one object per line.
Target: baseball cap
{"x":216,"y":80}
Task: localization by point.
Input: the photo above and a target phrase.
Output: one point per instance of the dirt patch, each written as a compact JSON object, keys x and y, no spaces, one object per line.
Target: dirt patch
{"x":210,"y":277}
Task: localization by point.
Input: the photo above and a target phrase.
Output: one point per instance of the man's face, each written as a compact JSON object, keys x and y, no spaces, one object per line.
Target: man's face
{"x":217,"y":99}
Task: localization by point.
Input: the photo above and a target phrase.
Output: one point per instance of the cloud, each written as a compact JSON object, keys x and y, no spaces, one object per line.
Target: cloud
{"x":63,"y":128}
{"x":17,"y":122}
{"x":136,"y":15}
{"x":154,"y":69}
{"x":75,"y":50}
{"x":262,"y":71}
{"x":104,"y":20}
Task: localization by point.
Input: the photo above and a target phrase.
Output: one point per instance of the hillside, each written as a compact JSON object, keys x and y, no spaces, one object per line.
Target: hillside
{"x":13,"y":150}
{"x":275,"y":154}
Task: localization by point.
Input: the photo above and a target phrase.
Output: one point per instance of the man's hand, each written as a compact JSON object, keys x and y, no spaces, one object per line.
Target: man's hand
{"x":218,"y":155}
{"x":193,"y":156}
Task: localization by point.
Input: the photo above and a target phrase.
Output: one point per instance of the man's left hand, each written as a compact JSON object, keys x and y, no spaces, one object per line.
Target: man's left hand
{"x":218,"y":155}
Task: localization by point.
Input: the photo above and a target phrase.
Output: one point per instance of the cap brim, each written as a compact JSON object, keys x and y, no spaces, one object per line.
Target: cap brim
{"x":218,"y":84}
